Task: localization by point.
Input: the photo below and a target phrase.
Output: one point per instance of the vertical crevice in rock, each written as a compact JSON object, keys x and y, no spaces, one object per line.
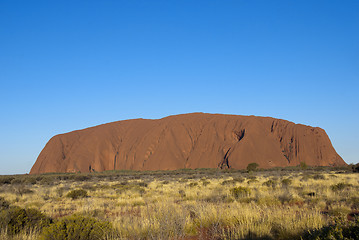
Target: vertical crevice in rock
{"x":114,"y":161}
{"x":224,"y":163}
{"x":272,"y":127}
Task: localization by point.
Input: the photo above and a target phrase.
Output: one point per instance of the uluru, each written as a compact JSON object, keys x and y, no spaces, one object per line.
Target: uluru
{"x":195,"y":140}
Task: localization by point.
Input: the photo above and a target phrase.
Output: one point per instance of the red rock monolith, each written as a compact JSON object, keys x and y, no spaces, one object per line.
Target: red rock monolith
{"x":195,"y":140}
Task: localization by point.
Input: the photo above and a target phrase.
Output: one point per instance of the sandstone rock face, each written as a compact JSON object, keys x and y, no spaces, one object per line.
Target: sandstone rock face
{"x":196,"y":140}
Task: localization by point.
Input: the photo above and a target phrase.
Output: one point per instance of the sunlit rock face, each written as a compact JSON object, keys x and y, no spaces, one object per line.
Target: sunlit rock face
{"x":195,"y":140}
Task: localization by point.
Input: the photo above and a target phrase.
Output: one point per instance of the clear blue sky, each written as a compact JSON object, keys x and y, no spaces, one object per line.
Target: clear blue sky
{"x":67,"y":65}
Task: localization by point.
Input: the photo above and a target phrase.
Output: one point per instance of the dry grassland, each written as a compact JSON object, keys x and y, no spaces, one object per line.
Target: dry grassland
{"x":192,"y":204}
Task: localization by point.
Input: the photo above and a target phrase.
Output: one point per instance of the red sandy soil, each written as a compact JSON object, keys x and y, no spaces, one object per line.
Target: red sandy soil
{"x":196,"y":140}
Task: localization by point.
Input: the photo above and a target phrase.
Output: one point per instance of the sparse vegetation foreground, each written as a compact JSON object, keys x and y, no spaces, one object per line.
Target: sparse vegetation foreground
{"x":291,"y":203}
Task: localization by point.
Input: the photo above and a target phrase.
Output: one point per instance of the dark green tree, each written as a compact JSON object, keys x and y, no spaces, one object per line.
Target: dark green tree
{"x":252,"y":167}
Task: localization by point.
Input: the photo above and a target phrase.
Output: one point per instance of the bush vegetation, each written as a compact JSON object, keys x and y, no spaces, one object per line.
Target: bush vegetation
{"x":339,"y":186}
{"x":252,"y":167}
{"x":339,"y":231}
{"x":182,"y":204}
{"x":16,"y":220}
{"x":77,"y":193}
{"x":77,"y":227}
{"x":239,"y":192}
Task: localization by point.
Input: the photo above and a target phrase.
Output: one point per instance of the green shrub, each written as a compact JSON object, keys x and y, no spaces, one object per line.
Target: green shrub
{"x":239,"y":192}
{"x":47,"y":180}
{"x":78,"y":193}
{"x":130,"y":187}
{"x":17,"y":180}
{"x":270,"y":183}
{"x":4,"y":204}
{"x":355,"y":168}
{"x":340,"y":231}
{"x":77,"y":227}
{"x":339,"y":187}
{"x":285,"y":198}
{"x":252,"y":167}
{"x":303,"y":165}
{"x":17,"y":219}
{"x":30,"y":180}
{"x":215,"y":198}
{"x":142,"y":184}
{"x":182,"y":193}
{"x":318,"y":177}
{"x":81,"y":178}
{"x":20,"y":189}
{"x":6,"y":179}
{"x":205,"y":182}
{"x":183,"y":180}
{"x":228,"y":182}
{"x":250,"y":181}
{"x":193,"y":184}
{"x":238,"y":179}
{"x":286,"y":182}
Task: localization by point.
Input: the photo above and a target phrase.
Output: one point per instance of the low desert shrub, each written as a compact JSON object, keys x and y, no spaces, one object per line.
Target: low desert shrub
{"x":239,"y":192}
{"x":270,"y":183}
{"x":286,"y":182}
{"x":238,"y":179}
{"x":129,"y":187}
{"x":17,"y":180}
{"x":340,"y":231}
{"x":6,"y":179}
{"x":318,"y":177}
{"x":339,"y":187}
{"x":193,"y":184}
{"x":4,"y":204}
{"x":21,"y":189}
{"x":285,"y":197}
{"x":142,"y":184}
{"x":81,"y":177}
{"x":252,"y":167}
{"x":252,"y":179}
{"x":16,"y":220}
{"x":30,"y":180}
{"x":205,"y":182}
{"x":339,"y":212}
{"x":355,"y":168}
{"x":228,"y":182}
{"x":77,"y":193}
{"x":47,"y":180}
{"x":354,"y":201}
{"x":303,"y":165}
{"x":77,"y":227}
{"x":182,"y":193}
